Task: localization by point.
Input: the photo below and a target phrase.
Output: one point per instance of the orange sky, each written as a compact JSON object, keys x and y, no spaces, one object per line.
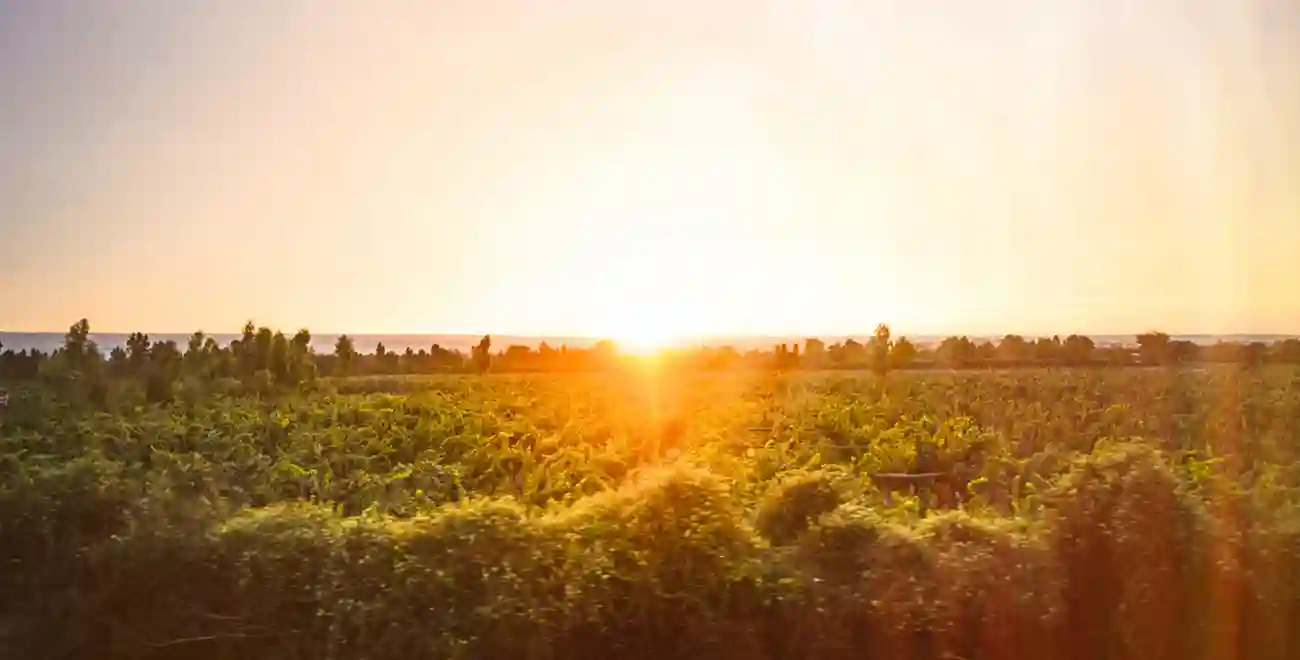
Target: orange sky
{"x":645,"y":170}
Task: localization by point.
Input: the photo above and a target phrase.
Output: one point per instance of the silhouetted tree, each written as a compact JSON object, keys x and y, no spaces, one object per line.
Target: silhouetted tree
{"x":1078,"y":349}
{"x":849,"y":354}
{"x":1253,"y":354}
{"x":345,"y":351}
{"x":783,"y":358}
{"x":1014,"y":349}
{"x":264,"y":342}
{"x":1286,"y":351}
{"x":1181,"y":351}
{"x":195,"y":360}
{"x":79,"y":351}
{"x":137,"y":351}
{"x":161,"y":371}
{"x":278,"y":363}
{"x":301,"y":365}
{"x":118,"y":362}
{"x":1047,"y":351}
{"x":444,"y":359}
{"x":74,"y":370}
{"x":878,"y":351}
{"x":956,"y":352}
{"x":902,"y":354}
{"x":245,"y":353}
{"x":482,"y":355}
{"x":814,"y":353}
{"x":1153,"y":348}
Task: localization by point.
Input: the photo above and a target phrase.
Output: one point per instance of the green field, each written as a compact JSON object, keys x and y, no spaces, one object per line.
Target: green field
{"x":1104,"y":513}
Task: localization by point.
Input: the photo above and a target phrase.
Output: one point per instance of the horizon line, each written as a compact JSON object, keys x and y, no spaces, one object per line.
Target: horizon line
{"x":685,"y":337}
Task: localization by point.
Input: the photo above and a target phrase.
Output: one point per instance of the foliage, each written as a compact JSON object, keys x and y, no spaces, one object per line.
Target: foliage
{"x":1115,"y":513}
{"x":290,"y":363}
{"x":794,"y":505}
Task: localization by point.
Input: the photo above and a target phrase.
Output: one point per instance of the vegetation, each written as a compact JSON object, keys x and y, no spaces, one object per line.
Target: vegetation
{"x":262,"y":512}
{"x":263,"y":360}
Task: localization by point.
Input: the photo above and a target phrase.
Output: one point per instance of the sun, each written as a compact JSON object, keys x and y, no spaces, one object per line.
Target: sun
{"x":646,"y":339}
{"x":644,"y":299}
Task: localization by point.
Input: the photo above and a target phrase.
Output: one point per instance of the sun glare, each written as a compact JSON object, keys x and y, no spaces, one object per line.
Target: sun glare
{"x":645,"y":340}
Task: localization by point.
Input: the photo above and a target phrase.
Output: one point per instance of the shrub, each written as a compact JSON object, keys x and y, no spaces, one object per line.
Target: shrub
{"x":1130,"y":542}
{"x":794,"y":504}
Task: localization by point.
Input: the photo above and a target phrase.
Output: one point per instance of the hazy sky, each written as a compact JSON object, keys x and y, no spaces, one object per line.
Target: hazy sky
{"x":629,"y":168}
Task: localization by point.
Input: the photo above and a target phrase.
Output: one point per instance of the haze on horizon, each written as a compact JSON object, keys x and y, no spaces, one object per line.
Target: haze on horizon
{"x":648,"y":170}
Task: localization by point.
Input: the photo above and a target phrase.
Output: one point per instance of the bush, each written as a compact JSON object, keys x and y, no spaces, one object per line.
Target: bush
{"x":794,"y":504}
{"x":1131,"y":543}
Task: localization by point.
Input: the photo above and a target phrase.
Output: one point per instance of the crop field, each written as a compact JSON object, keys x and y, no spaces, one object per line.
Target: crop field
{"x":1095,"y":513}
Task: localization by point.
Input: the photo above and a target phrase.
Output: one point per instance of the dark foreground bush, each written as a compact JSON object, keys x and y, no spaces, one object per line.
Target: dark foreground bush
{"x":794,"y":504}
{"x":1125,"y":564}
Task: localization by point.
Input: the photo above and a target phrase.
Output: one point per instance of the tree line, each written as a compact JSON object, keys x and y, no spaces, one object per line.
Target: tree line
{"x":882,"y":352}
{"x":266,"y":360}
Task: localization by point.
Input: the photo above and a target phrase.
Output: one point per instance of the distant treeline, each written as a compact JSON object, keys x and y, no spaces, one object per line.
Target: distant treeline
{"x":264,"y":360}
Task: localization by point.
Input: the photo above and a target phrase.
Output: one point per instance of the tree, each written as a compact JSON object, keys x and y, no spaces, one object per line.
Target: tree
{"x":346,"y":352}
{"x":1253,"y":354}
{"x":1116,"y":356}
{"x":1153,"y":348}
{"x":118,"y":361}
{"x":75,"y":367}
{"x":444,"y":359}
{"x":278,"y":362}
{"x":814,"y":352}
{"x":1047,"y":351}
{"x":21,"y":365}
{"x":849,"y":354}
{"x":161,"y":371}
{"x":878,"y":350}
{"x":547,"y":356}
{"x":1078,"y":349}
{"x":902,"y":354}
{"x":244,"y":352}
{"x":956,"y":352}
{"x":195,"y":344}
{"x":783,"y":358}
{"x":196,"y":356}
{"x":79,"y":352}
{"x":1014,"y":349}
{"x":1286,"y":351}
{"x":301,"y":365}
{"x":219,"y":363}
{"x":137,"y":351}
{"x":265,"y":340}
{"x":482,"y":354}
{"x":1181,"y":350}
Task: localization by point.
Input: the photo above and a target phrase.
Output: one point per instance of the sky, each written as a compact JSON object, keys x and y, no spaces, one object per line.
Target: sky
{"x":648,"y":170}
